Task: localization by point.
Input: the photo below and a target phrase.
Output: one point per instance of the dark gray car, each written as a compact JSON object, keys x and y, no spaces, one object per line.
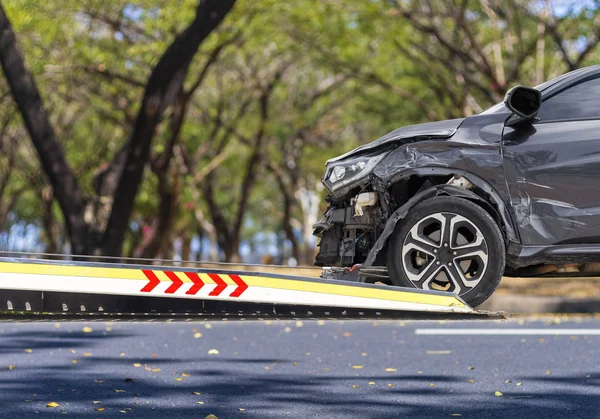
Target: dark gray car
{"x":453,"y":205}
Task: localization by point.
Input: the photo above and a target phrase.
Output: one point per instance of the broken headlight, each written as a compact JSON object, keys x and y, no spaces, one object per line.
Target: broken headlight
{"x":346,"y":172}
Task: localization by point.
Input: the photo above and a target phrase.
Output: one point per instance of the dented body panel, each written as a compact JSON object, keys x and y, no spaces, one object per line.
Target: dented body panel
{"x":553,"y":173}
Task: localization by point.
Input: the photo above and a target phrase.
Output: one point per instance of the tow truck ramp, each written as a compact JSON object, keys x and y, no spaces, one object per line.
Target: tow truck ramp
{"x":41,"y":289}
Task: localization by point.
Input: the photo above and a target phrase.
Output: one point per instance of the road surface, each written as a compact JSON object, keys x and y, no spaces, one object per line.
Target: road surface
{"x":327,"y":369}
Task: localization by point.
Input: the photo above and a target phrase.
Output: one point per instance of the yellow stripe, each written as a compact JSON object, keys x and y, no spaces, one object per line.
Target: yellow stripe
{"x":392,"y":294}
{"x":93,"y":272}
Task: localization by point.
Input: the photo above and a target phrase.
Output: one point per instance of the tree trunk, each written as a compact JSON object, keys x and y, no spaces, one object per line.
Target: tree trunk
{"x":49,"y":150}
{"x":164,"y":84}
{"x":168,"y":189}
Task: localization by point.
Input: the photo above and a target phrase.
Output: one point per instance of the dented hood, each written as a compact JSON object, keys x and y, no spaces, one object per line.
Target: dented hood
{"x":429,"y":130}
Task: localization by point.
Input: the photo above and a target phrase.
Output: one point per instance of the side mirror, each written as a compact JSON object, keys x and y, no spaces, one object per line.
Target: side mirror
{"x":524,"y":102}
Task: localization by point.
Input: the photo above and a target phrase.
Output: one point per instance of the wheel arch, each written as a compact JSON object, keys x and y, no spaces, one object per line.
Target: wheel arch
{"x":490,"y":200}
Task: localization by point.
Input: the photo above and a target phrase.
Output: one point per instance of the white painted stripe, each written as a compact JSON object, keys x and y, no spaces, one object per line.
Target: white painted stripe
{"x":504,"y":332}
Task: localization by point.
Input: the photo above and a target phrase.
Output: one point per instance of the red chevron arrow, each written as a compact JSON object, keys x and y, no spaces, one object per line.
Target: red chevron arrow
{"x":176,"y":282}
{"x":221,"y":285}
{"x":153,"y":281}
{"x":241,"y":286}
{"x":198,"y":284}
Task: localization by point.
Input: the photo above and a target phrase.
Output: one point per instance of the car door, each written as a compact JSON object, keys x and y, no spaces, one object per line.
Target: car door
{"x":552,"y":166}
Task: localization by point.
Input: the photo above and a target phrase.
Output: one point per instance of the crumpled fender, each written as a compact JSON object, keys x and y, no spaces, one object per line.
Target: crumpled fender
{"x":438,"y":190}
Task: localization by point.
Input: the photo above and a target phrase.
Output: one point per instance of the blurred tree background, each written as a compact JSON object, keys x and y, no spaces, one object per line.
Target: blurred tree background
{"x":188,"y":130}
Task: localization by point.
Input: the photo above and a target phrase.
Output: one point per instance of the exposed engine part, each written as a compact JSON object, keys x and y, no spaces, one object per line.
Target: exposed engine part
{"x":365,"y":199}
{"x":461,"y":182}
{"x":358,"y":273}
{"x":329,"y":246}
{"x":364,"y":242}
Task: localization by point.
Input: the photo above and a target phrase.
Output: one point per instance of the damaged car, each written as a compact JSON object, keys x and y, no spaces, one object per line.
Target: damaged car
{"x":455,"y":205}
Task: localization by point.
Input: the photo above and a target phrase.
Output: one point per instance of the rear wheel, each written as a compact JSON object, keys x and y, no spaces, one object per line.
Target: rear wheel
{"x":448,"y":244}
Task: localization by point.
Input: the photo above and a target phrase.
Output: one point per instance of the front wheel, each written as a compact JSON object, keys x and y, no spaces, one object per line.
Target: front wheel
{"x":450,"y":244}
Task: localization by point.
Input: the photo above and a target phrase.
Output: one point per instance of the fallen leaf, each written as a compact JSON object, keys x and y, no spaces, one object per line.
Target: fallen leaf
{"x":431,"y":385}
{"x":519,"y":384}
{"x":29,"y":351}
{"x":122,"y":354}
{"x":87,"y":354}
{"x":357,"y":367}
{"x":11,"y":367}
{"x":471,"y":381}
{"x":185,"y":375}
{"x":87,"y":329}
{"x":196,"y":393}
{"x":508,"y":381}
{"x":241,"y":409}
{"x":542,"y":340}
{"x":347,"y":334}
{"x":498,"y":394}
{"x":208,"y":326}
{"x":178,"y":379}
{"x":390,"y":370}
{"x":155,"y":369}
{"x":137,"y":365}
{"x":371,"y":383}
{"x":326,"y":369}
{"x":109,"y":329}
{"x":199,"y":402}
{"x":471,"y":368}
{"x":122,"y":411}
{"x":119,"y":391}
{"x":455,"y":414}
{"x":98,"y":409}
{"x":74,"y":361}
{"x":197,"y":335}
{"x":53,"y":404}
{"x":73,"y":351}
{"x":213,"y":352}
{"x":96,"y":402}
{"x":287,"y":329}
{"x":438,"y":352}
{"x":299,"y":324}
{"x":354,"y":386}
{"x":321,"y":322}
{"x":211,"y":416}
{"x":363,"y":354}
{"x":548,"y":372}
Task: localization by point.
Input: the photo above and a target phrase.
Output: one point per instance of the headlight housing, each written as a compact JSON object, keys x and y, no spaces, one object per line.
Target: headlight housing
{"x":343,"y":173}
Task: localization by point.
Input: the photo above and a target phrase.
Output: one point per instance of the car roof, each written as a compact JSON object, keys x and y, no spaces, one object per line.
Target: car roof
{"x":570,"y":76}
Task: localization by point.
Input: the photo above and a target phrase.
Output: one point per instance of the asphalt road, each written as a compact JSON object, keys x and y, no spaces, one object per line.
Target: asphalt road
{"x":351,"y":369}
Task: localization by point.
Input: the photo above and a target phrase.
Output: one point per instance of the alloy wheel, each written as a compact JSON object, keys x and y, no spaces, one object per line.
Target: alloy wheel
{"x":445,"y":251}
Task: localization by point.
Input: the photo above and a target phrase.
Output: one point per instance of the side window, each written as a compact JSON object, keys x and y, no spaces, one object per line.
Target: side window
{"x":576,"y":102}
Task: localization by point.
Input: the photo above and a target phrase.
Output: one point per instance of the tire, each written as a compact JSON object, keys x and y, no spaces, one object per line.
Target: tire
{"x":471,"y":264}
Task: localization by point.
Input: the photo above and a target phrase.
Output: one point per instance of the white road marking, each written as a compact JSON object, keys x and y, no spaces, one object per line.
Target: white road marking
{"x":504,"y":332}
